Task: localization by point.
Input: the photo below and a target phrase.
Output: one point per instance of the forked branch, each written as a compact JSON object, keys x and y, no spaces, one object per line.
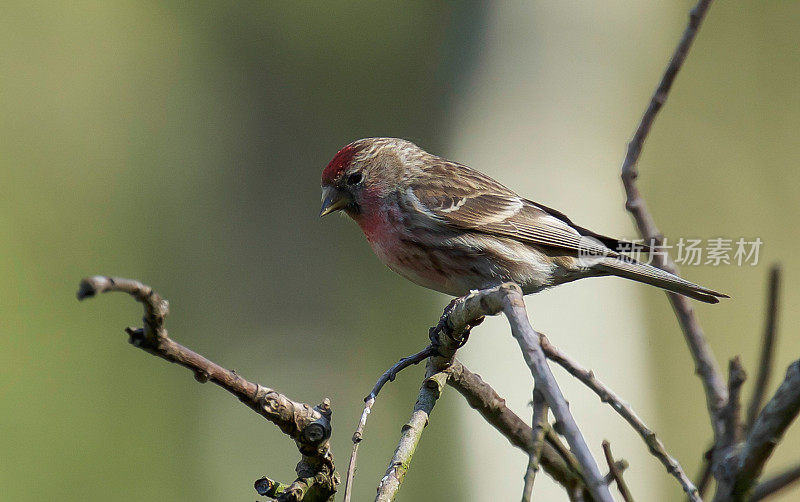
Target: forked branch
{"x":308,"y":425}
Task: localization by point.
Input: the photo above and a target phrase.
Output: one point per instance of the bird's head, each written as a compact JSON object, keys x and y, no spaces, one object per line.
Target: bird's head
{"x":362,"y":173}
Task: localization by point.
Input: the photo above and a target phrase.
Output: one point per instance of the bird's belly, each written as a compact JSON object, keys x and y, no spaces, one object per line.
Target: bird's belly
{"x":420,"y":266}
{"x":458,"y":265}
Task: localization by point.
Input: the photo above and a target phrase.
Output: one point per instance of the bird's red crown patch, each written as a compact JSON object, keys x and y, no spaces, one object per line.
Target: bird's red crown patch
{"x":339,"y":163}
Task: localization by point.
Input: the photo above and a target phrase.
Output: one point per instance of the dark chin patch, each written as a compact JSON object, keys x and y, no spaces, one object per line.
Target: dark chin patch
{"x":352,"y":210}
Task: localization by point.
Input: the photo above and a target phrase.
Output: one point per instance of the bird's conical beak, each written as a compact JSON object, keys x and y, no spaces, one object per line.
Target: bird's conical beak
{"x":333,"y":199}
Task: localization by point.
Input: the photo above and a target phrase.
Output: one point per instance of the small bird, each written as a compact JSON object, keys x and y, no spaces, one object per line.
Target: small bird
{"x":452,"y":229}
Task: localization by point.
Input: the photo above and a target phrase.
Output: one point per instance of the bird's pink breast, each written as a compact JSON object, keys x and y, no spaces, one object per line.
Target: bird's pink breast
{"x":402,"y":253}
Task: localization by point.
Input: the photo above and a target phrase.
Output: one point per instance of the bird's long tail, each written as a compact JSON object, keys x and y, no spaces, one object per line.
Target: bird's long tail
{"x":648,"y":274}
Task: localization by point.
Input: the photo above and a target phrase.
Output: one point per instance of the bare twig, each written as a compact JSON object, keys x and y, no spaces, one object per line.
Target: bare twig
{"x":556,"y":460}
{"x":607,"y":395}
{"x":704,"y":478}
{"x":539,"y":423}
{"x":616,"y":473}
{"x":706,"y":365}
{"x":731,"y":413}
{"x":513,"y":307}
{"x":775,"y":484}
{"x":767,"y":346}
{"x":308,"y":425}
{"x":411,"y":433}
{"x":388,"y":376}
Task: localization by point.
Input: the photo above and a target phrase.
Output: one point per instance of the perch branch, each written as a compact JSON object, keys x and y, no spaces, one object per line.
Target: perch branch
{"x":308,"y":425}
{"x":706,"y":365}
{"x":607,"y":395}
{"x":508,"y":298}
{"x":767,"y":346}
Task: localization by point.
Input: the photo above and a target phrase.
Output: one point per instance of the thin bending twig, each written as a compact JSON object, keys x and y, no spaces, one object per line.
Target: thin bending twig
{"x":704,"y":478}
{"x":775,"y":484}
{"x":539,"y":424}
{"x":731,"y":413}
{"x":308,"y":425}
{"x":556,"y":460}
{"x":388,"y":376}
{"x":767,"y":346}
{"x":513,"y":307}
{"x":707,"y":369}
{"x":412,"y":430}
{"x":607,"y":395}
{"x":616,"y":473}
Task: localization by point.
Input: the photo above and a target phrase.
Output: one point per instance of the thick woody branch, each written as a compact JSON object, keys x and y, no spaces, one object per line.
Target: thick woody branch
{"x":767,"y":346}
{"x":607,"y":395}
{"x":308,"y":425}
{"x":767,"y":432}
{"x":705,"y":363}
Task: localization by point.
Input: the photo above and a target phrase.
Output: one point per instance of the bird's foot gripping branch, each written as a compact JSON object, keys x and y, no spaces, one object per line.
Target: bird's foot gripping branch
{"x":308,"y":425}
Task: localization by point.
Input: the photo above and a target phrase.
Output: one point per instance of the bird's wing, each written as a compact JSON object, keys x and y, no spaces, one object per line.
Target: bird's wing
{"x":469,"y":200}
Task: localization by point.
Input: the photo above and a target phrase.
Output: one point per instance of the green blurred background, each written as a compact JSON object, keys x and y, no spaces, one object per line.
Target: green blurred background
{"x":181,"y":144}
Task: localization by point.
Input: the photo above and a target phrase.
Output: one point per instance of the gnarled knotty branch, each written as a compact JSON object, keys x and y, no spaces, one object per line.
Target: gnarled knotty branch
{"x":308,"y":425}
{"x":766,"y":433}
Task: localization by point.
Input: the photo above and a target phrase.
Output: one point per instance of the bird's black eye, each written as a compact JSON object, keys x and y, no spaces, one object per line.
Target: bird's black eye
{"x":354,"y":179}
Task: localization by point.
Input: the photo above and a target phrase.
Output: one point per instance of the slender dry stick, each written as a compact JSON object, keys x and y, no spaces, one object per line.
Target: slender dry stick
{"x":767,"y":346}
{"x":513,"y":307}
{"x":704,"y":478}
{"x":556,"y":460}
{"x":616,"y":473}
{"x":411,"y":433}
{"x":607,"y":395}
{"x":308,"y":425}
{"x":731,"y":413}
{"x":706,"y":365}
{"x":388,"y":376}
{"x":775,"y":484}
{"x":539,"y":423}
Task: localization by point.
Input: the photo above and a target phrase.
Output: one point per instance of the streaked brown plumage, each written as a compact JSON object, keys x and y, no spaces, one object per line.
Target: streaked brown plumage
{"x":453,"y":229}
